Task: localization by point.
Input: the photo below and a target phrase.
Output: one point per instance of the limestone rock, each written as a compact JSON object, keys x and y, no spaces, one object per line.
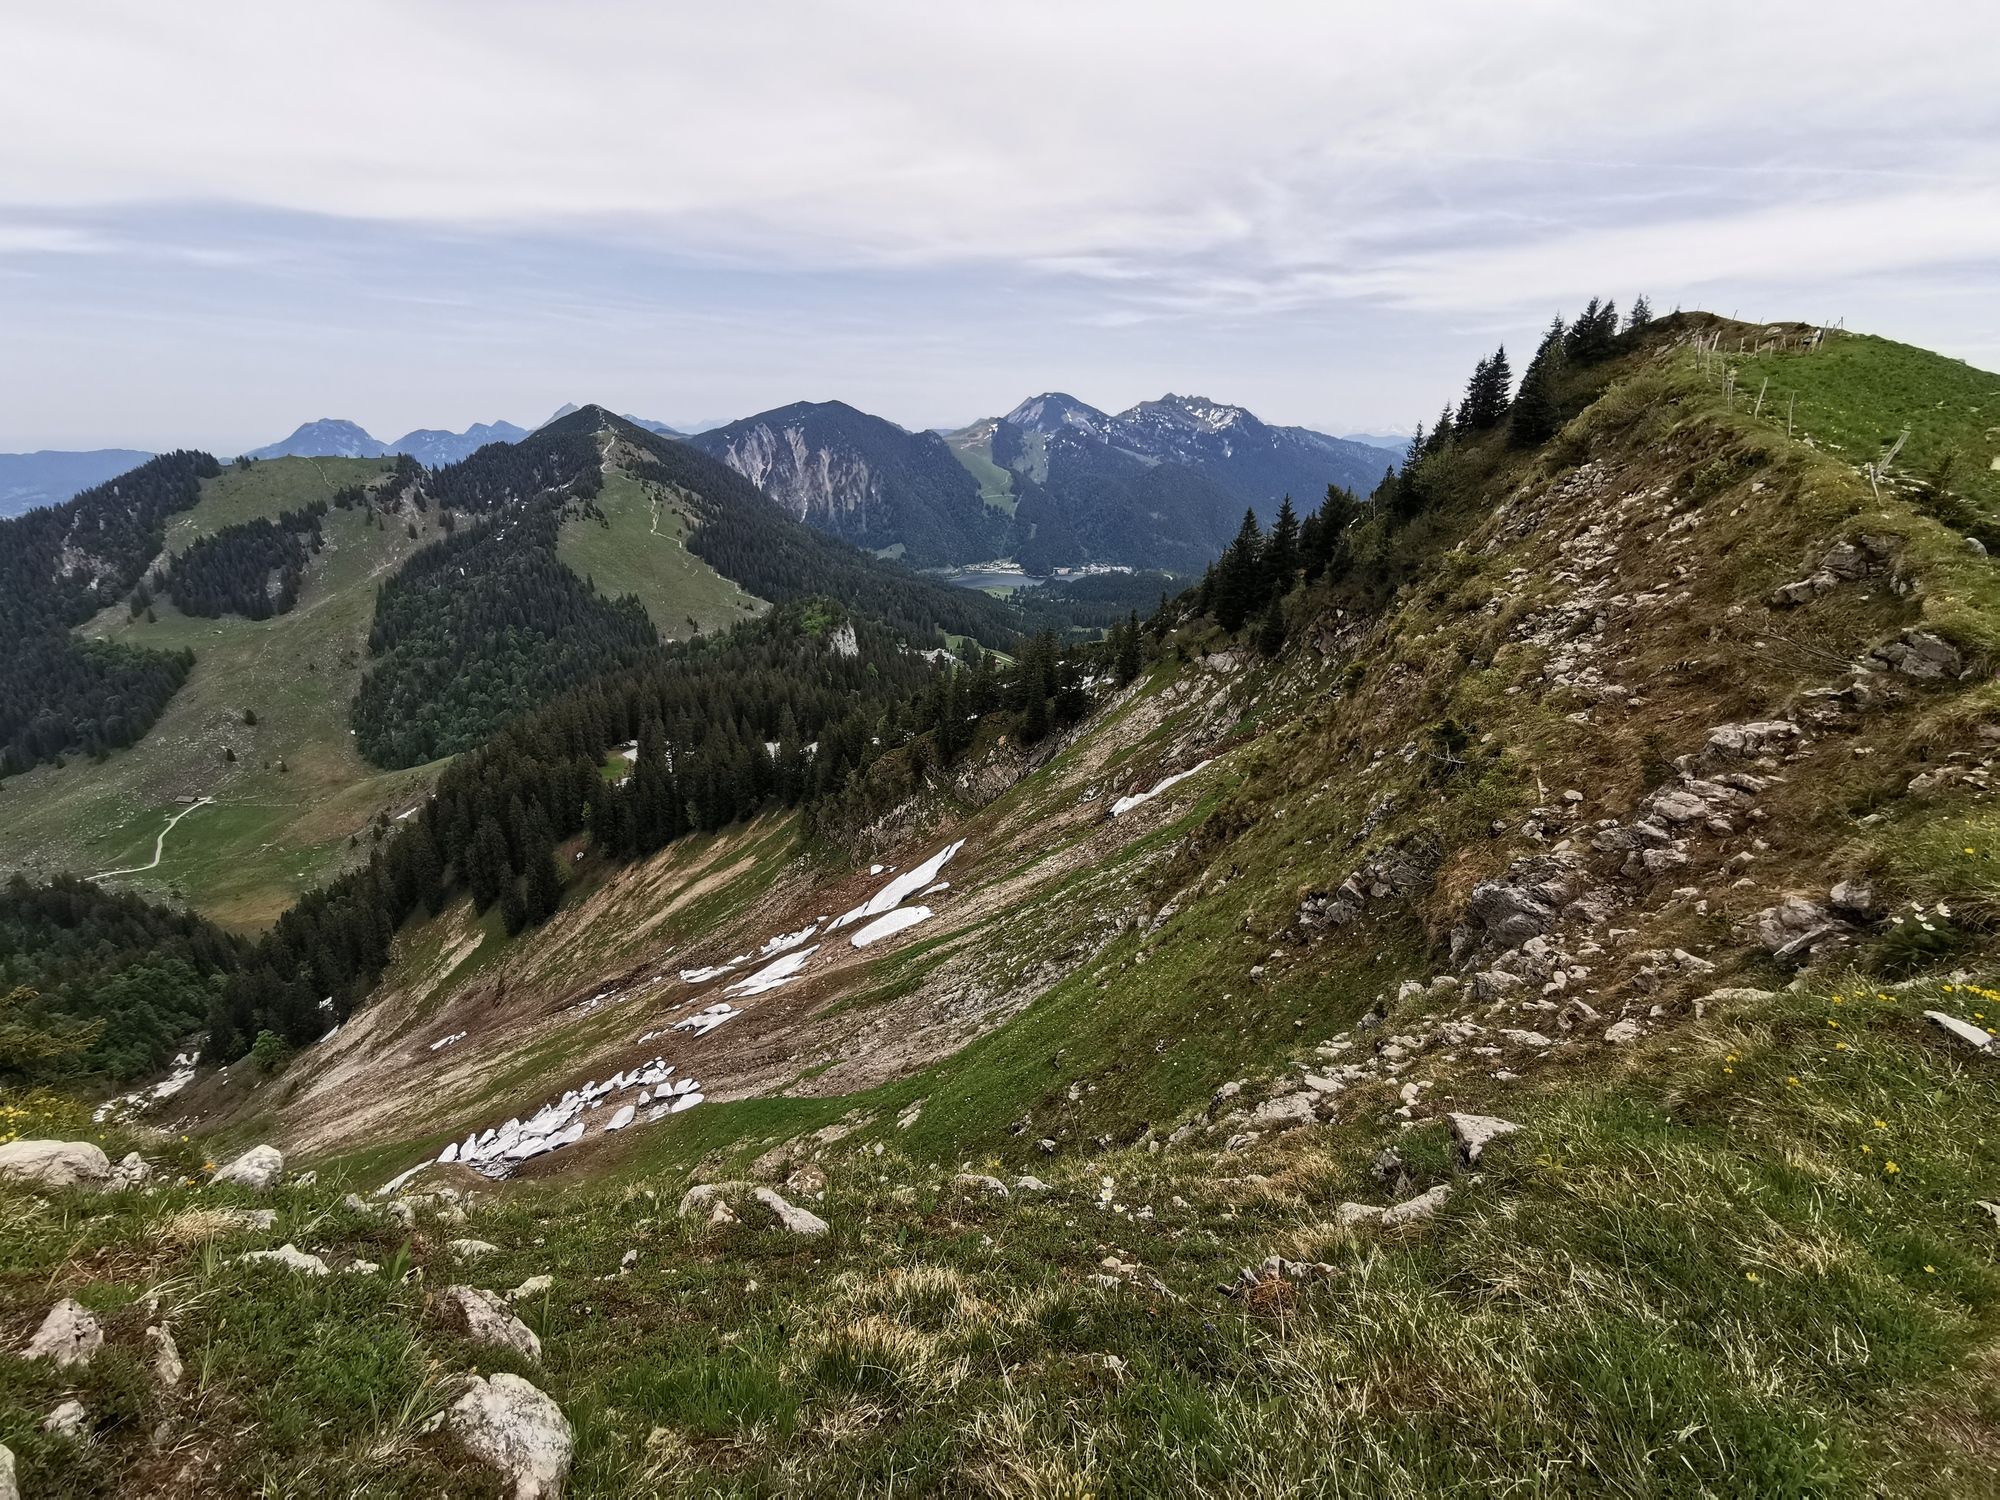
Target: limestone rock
{"x":979,"y":1182}
{"x":1414,"y":1210}
{"x":10,"y":1487}
{"x":68,"y":1420}
{"x":1924,"y":655}
{"x":1029,"y":1184}
{"x":508,"y":1424}
{"x":484,"y":1319}
{"x":1285,"y":1113}
{"x":1854,"y":898}
{"x":1620,"y":1033}
{"x":133,"y":1170}
{"x":167,"y":1368}
{"x":534,"y":1286}
{"x":1354,"y":1215}
{"x":69,"y":1335}
{"x":703,"y":1194}
{"x":471,"y":1249}
{"x":54,"y":1163}
{"x":1978,"y":1038}
{"x":1474,"y":1133}
{"x":259,"y":1168}
{"x":290,"y":1256}
{"x":795,"y":1219}
{"x":1794,"y":927}
{"x":1745,"y":740}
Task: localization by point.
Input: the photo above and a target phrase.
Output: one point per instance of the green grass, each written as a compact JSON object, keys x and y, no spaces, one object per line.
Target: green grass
{"x":1695,"y":1276}
{"x":996,"y":485}
{"x":638,"y":548}
{"x":272,"y":833}
{"x":1856,"y":394}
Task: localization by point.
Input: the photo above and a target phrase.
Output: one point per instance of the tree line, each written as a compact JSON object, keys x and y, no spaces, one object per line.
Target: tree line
{"x":58,"y":567}
{"x":251,"y":569}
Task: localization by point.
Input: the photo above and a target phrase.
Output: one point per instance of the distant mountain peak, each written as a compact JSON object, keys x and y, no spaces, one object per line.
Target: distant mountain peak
{"x":1053,"y":410}
{"x":327,"y":437}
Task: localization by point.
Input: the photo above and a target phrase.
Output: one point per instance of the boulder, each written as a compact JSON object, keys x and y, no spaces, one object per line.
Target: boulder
{"x":790,"y":1217}
{"x":484,"y":1318}
{"x":1620,"y":1033}
{"x":1027,"y":1184}
{"x":1354,"y":1215}
{"x":979,"y":1182}
{"x":1285,"y":1113}
{"x":133,"y":1170}
{"x":1474,"y":1133}
{"x":1978,"y":1038}
{"x":1924,"y":655}
{"x":10,"y":1487}
{"x":68,"y":1420}
{"x":1756,"y":738}
{"x":1852,"y":898}
{"x":54,"y":1163}
{"x":534,"y":1286}
{"x":509,"y":1425}
{"x":259,"y":1169}
{"x":290,"y":1256}
{"x":1794,"y":927}
{"x":471,"y":1249}
{"x":69,"y":1335}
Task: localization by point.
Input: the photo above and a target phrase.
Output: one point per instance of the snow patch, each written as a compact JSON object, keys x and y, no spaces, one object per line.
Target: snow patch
{"x":890,"y":924}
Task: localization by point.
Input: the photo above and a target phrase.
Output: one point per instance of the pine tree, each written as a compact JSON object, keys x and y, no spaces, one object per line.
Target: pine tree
{"x":1537,"y":409}
{"x":1486,"y":393}
{"x":1640,"y":315}
{"x":488,"y":868}
{"x":1239,"y":576}
{"x":1281,"y":553}
{"x":1271,"y":630}
{"x":1128,"y":659}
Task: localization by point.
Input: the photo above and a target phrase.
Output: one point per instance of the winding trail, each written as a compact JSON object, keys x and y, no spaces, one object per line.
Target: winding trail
{"x":159,"y":844}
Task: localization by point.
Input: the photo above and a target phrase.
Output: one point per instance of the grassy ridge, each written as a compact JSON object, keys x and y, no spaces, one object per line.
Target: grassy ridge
{"x":272,"y":833}
{"x":638,"y":548}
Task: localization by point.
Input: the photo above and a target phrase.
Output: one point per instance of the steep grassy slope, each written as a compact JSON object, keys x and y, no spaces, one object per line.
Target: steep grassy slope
{"x":1551,"y":836}
{"x":636,"y":545}
{"x":284,"y":809}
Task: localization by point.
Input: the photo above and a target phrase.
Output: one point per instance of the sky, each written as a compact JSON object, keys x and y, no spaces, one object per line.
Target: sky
{"x":220,"y":220}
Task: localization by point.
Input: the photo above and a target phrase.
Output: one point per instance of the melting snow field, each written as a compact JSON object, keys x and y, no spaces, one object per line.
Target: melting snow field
{"x":908,"y":883}
{"x":701,"y":1023}
{"x":890,"y":924}
{"x":773,"y":974}
{"x":497,"y":1151}
{"x":125,"y":1104}
{"x":1126,"y":804}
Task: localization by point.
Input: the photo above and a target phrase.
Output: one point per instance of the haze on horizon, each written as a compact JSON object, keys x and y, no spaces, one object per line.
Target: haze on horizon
{"x":218,"y":222}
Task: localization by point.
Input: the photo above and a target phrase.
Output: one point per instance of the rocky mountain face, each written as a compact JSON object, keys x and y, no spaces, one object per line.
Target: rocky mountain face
{"x":863,"y":479}
{"x":51,"y":476}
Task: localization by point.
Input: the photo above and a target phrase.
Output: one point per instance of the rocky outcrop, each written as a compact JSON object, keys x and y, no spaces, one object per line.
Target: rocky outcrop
{"x":1924,"y":655}
{"x":69,"y":1335}
{"x":258,"y":1169}
{"x":1796,"y":927}
{"x":1524,"y":903}
{"x":789,"y":1216}
{"x":289,"y":1256}
{"x":54,"y":1163}
{"x":1398,"y":871}
{"x":1474,"y":1133}
{"x":514,"y":1428}
{"x":485,"y":1319}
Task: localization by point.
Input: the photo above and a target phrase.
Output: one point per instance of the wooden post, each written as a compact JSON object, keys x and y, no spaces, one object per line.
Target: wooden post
{"x":1790,"y":406}
{"x":1760,"y":396}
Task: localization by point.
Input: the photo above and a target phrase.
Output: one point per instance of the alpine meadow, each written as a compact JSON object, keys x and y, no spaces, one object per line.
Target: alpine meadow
{"x":1425,"y":925}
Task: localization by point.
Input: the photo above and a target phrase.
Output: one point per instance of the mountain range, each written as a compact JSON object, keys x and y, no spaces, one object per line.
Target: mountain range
{"x":50,"y":476}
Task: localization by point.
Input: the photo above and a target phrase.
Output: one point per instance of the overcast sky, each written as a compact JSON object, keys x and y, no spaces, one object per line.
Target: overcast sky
{"x":218,"y":220}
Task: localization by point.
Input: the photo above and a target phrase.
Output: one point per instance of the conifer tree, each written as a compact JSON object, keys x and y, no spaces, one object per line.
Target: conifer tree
{"x":1271,"y":630}
{"x":1127,"y":660}
{"x":488,"y":868}
{"x":1537,"y":409}
{"x":1239,"y":576}
{"x":1640,"y":315}
{"x":1281,"y":553}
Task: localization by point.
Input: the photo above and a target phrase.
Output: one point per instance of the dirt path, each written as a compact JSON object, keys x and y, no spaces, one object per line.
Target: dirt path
{"x":159,"y":844}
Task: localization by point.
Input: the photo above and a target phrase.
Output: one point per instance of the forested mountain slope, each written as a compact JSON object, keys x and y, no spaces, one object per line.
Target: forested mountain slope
{"x":1518,"y":1004}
